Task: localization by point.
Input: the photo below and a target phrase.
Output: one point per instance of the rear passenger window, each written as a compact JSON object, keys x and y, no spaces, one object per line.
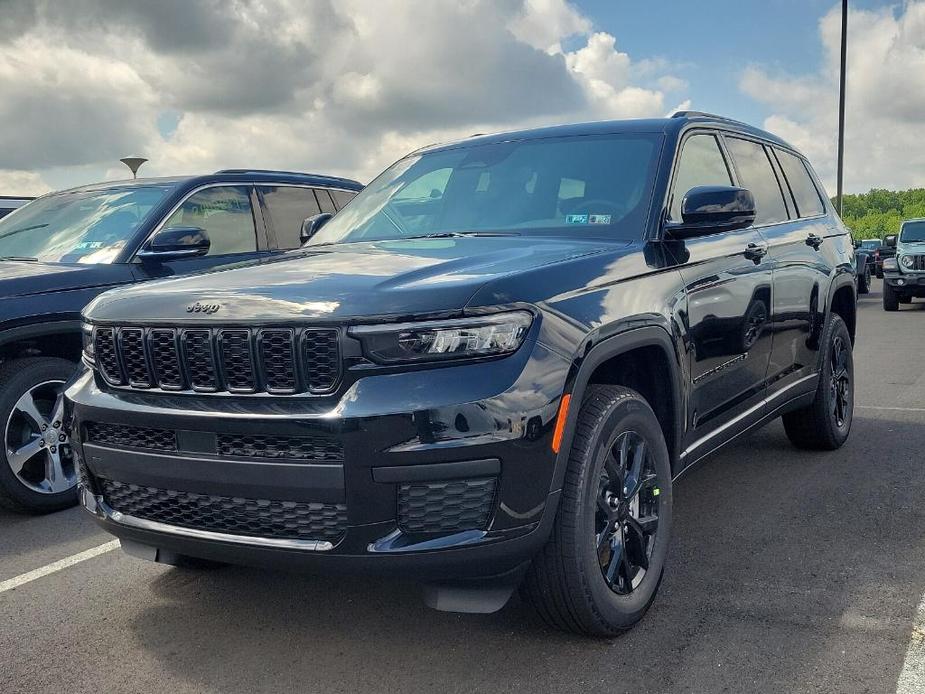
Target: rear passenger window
{"x":701,"y":164}
{"x":755,"y":173}
{"x":324,"y":199}
{"x":288,"y":207}
{"x":801,"y":184}
{"x":342,"y":197}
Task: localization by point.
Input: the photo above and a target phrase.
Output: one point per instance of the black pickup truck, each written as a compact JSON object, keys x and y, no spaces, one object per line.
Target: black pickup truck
{"x":60,"y":251}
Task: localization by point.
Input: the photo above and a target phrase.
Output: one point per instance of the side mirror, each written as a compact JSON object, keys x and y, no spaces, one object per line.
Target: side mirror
{"x":175,"y":243}
{"x":711,"y":209}
{"x":890,"y":241}
{"x":311,"y":226}
{"x":856,"y":244}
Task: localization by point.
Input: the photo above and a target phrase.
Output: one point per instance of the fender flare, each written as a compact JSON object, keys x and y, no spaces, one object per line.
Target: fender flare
{"x":605,"y":350}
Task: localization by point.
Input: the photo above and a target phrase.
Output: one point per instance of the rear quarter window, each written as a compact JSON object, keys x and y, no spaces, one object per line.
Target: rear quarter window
{"x":808,"y":201}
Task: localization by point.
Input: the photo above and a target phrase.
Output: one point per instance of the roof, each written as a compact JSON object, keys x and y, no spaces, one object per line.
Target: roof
{"x":225,"y":175}
{"x":672,"y":125}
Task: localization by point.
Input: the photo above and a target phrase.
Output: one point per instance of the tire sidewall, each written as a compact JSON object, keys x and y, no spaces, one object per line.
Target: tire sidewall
{"x":27,"y":374}
{"x":628,"y":414}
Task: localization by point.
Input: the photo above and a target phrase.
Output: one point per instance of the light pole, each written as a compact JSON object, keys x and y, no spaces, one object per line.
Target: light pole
{"x":841,"y":104}
{"x":133,"y":163}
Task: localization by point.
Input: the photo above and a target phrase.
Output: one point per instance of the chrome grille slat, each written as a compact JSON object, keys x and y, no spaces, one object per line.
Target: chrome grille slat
{"x":274,"y":360}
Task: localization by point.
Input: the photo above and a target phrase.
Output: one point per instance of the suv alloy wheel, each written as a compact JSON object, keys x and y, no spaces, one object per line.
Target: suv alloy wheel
{"x":37,"y":473}
{"x":602,"y":567}
{"x":825,"y":424}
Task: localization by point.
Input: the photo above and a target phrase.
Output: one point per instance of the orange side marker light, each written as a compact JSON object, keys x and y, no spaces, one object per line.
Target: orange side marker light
{"x":560,"y":422}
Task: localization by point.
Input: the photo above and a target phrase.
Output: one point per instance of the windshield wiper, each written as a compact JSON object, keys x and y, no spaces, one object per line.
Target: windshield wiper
{"x":23,"y":258}
{"x":22,"y":229}
{"x":460,"y":234}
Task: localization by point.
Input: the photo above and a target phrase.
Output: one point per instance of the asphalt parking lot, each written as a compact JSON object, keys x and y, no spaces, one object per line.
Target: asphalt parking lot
{"x":789,"y":572}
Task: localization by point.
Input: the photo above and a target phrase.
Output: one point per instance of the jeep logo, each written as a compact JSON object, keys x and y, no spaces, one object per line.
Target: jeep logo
{"x":203,"y":308}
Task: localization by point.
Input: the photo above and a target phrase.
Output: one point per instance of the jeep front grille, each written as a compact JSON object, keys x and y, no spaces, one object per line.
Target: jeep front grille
{"x":918,"y":263}
{"x":236,"y":360}
{"x":127,"y":436}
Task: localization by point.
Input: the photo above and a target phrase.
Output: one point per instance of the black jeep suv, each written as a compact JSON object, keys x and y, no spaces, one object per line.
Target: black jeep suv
{"x":485,"y":371}
{"x":60,"y":251}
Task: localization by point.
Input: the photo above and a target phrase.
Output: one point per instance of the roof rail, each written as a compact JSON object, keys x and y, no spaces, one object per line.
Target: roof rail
{"x":705,"y":114}
{"x":269,"y":171}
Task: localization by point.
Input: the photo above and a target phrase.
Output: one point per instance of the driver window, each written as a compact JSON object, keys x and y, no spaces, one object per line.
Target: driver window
{"x":225,"y":213}
{"x":701,"y":164}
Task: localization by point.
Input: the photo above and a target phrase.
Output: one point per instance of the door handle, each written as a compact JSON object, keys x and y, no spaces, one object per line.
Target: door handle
{"x":814,"y":240}
{"x":756,"y":251}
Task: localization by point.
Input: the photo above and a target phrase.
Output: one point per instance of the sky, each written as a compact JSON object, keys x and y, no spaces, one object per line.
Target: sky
{"x":348,"y":86}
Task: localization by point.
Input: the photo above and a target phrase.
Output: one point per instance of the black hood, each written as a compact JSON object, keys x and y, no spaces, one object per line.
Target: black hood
{"x":23,"y":278}
{"x":399,"y":277}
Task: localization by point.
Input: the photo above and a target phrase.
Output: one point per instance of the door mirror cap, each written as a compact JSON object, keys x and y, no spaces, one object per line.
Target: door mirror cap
{"x":175,"y":243}
{"x":711,"y":209}
{"x":311,"y":225}
{"x":890,"y":241}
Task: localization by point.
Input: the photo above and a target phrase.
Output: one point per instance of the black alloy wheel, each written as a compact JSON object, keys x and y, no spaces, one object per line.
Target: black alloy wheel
{"x":626,"y":519}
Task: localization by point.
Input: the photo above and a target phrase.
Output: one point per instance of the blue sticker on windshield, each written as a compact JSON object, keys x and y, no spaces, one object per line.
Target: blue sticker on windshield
{"x":576,"y":219}
{"x":599,"y":219}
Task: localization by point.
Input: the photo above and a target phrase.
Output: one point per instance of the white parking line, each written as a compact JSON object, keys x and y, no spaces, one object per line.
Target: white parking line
{"x":895,"y":409}
{"x":30,"y":576}
{"x":912,"y":676}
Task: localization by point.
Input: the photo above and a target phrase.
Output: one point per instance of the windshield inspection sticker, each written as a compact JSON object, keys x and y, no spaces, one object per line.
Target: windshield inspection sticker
{"x":576,"y":219}
{"x":599,"y":219}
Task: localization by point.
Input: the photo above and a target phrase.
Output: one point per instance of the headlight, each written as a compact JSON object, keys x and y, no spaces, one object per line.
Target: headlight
{"x":87,"y":331}
{"x":479,"y":336}
{"x":889,"y":264}
{"x":906,"y":261}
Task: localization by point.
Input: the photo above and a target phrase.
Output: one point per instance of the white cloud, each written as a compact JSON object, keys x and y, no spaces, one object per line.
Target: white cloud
{"x":885,"y":102}
{"x":337,"y":87}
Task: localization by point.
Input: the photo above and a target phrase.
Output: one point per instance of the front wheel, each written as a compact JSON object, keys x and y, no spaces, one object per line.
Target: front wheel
{"x":864,"y":281}
{"x":37,"y":472}
{"x":890,"y":300}
{"x":603,"y":564}
{"x":826,"y":423}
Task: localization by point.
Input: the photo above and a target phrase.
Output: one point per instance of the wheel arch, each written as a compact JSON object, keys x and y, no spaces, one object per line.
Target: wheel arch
{"x":59,"y":338}
{"x":634,"y":359}
{"x":843,"y":301}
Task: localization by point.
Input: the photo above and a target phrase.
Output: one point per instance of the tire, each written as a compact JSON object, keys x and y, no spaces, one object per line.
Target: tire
{"x":890,"y":300}
{"x":30,"y":488}
{"x":864,"y":281}
{"x":566,"y":582}
{"x":825,"y":424}
{"x":879,"y":273}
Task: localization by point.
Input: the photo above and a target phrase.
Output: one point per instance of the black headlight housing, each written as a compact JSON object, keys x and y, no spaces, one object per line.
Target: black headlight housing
{"x":490,"y":335}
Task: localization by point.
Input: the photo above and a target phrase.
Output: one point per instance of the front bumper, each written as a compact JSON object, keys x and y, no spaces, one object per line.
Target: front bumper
{"x":912,"y":284}
{"x":440,"y":473}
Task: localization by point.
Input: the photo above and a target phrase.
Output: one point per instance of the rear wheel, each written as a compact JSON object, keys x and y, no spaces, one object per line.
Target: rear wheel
{"x":37,"y":473}
{"x":602,"y":567}
{"x":826,"y":423}
{"x":890,"y":300}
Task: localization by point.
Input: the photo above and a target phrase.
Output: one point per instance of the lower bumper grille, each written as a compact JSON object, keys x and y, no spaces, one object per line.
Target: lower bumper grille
{"x":125,"y":436}
{"x":443,"y":507}
{"x":229,"y":515}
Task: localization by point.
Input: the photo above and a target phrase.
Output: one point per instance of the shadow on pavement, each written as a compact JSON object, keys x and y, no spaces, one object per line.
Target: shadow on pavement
{"x":790,"y":571}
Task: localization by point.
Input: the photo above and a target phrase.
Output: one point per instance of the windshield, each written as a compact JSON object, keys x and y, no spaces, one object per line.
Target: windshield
{"x":872,"y":244}
{"x":78,"y":227}
{"x":570,"y":185}
{"x":913,"y":232}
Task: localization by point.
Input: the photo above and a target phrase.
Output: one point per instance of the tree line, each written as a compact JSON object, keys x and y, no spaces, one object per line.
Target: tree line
{"x":878,"y":213}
